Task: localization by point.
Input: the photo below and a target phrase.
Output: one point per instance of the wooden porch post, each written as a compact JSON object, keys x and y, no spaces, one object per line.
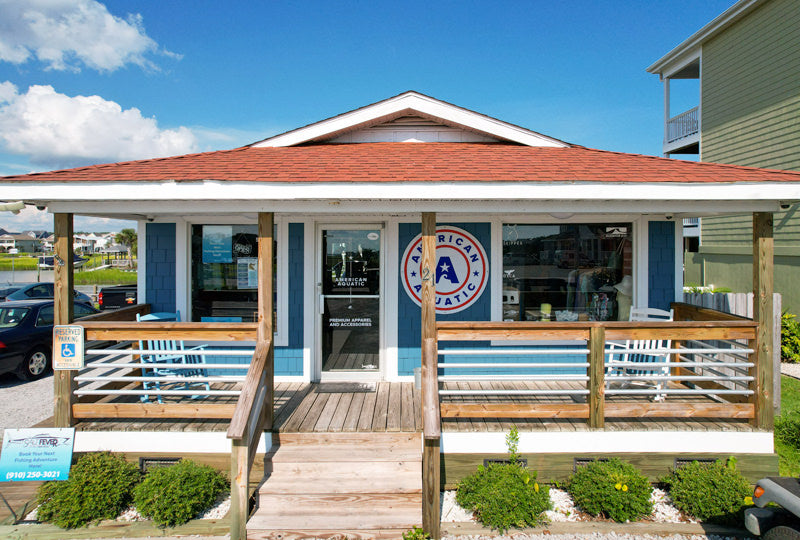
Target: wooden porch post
{"x":430,"y":399}
{"x":266,"y":309}
{"x":63,"y":381}
{"x":763,"y":251}
{"x":597,"y":384}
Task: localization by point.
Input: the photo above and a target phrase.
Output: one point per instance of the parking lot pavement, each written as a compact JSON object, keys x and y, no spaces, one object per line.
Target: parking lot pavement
{"x":24,"y":404}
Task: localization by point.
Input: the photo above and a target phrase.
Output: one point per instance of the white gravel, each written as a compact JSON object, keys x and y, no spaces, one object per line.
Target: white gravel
{"x":592,"y":536}
{"x":23,"y":404}
{"x":564,"y":509}
{"x":217,"y":511}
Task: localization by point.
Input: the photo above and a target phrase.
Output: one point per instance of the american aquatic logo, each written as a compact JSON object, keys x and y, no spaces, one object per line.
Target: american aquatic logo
{"x":461,"y":269}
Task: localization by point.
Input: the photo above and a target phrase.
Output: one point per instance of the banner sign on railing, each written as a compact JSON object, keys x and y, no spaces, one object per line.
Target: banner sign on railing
{"x":68,"y":347}
{"x":36,"y":454}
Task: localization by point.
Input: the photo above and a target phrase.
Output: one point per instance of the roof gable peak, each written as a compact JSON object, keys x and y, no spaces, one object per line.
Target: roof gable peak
{"x":410,"y":104}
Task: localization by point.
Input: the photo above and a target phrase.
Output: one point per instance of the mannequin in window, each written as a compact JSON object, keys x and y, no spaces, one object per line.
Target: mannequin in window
{"x":624,"y":295}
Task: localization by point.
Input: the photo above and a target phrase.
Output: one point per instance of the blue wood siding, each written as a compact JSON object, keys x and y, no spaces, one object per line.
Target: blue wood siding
{"x":661,"y":264}
{"x":160,"y":270}
{"x":289,"y":359}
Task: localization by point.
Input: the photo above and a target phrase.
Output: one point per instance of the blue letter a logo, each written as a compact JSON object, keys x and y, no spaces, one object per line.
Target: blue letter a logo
{"x":444,"y":269}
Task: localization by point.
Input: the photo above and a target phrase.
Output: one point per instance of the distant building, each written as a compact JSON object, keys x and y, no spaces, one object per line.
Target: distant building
{"x":26,"y":242}
{"x":747,"y":62}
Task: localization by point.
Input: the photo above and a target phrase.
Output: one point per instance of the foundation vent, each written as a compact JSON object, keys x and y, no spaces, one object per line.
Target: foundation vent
{"x":148,"y":463}
{"x":582,"y":462}
{"x":487,"y":462}
{"x":680,"y":462}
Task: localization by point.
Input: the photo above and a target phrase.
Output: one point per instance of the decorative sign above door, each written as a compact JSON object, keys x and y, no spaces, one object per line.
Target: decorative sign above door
{"x":461,"y":274}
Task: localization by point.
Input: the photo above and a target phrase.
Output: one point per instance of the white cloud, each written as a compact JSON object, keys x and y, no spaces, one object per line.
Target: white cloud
{"x":39,"y":220}
{"x":56,"y":130}
{"x":68,"y":34}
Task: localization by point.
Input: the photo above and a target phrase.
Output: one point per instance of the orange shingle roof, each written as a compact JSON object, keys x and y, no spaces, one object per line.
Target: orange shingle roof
{"x":413,"y":162}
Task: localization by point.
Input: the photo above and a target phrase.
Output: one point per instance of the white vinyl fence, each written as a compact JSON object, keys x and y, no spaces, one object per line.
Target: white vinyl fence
{"x":742,"y":304}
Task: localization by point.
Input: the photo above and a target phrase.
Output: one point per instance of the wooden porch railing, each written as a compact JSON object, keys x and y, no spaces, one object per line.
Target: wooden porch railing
{"x":595,"y":336}
{"x":121,"y":369}
{"x":711,"y":354}
{"x":247,"y":426}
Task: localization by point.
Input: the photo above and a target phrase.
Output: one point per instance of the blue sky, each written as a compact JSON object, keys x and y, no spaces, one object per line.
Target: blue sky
{"x":83,"y":81}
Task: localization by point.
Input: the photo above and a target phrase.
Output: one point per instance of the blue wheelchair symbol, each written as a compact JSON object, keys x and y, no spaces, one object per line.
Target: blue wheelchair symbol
{"x":67,"y":350}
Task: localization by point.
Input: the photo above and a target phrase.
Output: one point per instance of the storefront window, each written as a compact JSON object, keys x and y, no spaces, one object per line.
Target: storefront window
{"x":573,"y":272}
{"x":225,"y":273}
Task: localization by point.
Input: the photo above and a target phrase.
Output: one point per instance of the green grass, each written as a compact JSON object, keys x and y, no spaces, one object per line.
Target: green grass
{"x":790,"y":403}
{"x":107,"y":276}
{"x":21,"y":262}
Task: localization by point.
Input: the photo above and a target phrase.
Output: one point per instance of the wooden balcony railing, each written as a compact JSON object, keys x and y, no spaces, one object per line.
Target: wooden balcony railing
{"x":683,"y":125}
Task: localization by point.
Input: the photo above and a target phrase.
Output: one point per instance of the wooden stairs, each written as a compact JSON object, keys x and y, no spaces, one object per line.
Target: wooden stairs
{"x":332,"y":485}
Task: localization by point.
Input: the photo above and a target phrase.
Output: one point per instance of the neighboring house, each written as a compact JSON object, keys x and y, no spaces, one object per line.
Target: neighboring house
{"x":25,"y":242}
{"x":543,"y":249}
{"x":747,"y":62}
{"x":47,"y":242}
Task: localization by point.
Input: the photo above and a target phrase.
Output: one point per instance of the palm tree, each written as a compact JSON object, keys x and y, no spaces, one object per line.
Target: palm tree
{"x":127,"y":238}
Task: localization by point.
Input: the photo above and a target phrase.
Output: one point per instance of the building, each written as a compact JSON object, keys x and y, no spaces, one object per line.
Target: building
{"x":25,"y":242}
{"x":748,"y":113}
{"x":413,"y":234}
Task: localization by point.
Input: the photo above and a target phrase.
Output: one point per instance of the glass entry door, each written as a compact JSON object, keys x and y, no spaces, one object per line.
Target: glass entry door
{"x":350,"y":300}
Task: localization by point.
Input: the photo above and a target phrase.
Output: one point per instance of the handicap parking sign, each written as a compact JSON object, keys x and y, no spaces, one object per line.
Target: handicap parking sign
{"x":68,"y":347}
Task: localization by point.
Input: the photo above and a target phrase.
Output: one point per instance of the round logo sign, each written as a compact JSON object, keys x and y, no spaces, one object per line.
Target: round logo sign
{"x":461,"y":272}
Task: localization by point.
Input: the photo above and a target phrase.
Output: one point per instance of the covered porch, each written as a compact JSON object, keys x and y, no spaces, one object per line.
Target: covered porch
{"x":255,"y":247}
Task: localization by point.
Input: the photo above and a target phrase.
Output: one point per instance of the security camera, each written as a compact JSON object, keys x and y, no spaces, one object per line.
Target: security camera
{"x":150,"y":219}
{"x":41,"y":207}
{"x":669,"y":217}
{"x":785,"y":205}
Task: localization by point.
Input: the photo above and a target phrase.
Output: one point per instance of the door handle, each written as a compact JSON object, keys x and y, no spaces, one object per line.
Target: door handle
{"x":322,"y":304}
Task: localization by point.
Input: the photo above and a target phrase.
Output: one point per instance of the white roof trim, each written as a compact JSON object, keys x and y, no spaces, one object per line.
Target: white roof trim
{"x":692,"y":44}
{"x":410,"y":103}
{"x":257,"y":192}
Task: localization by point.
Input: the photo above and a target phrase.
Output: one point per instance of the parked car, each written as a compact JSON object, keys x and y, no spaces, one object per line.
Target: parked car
{"x":117,"y":297}
{"x":26,"y":336}
{"x":5,"y":291}
{"x":43,"y":290}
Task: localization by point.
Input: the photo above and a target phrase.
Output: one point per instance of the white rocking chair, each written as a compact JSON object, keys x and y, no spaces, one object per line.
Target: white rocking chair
{"x":164,"y":352}
{"x":650,"y":356}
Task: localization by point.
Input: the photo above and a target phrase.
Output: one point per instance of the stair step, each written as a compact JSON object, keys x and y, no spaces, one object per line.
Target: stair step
{"x":326,"y":534}
{"x":321,"y":454}
{"x":389,"y":440}
{"x":337,"y":511}
{"x":343,"y":477}
{"x":325,"y":485}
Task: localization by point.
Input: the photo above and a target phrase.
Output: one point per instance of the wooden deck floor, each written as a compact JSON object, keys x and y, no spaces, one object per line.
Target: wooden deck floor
{"x":387,"y":407}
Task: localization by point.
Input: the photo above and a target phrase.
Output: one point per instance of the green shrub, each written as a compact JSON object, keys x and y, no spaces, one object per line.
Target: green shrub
{"x":613,"y":489}
{"x":712,"y":492}
{"x":99,"y":487}
{"x":790,"y":338}
{"x":504,"y":495}
{"x":787,"y":429}
{"x":416,"y":534}
{"x":173,"y":495}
